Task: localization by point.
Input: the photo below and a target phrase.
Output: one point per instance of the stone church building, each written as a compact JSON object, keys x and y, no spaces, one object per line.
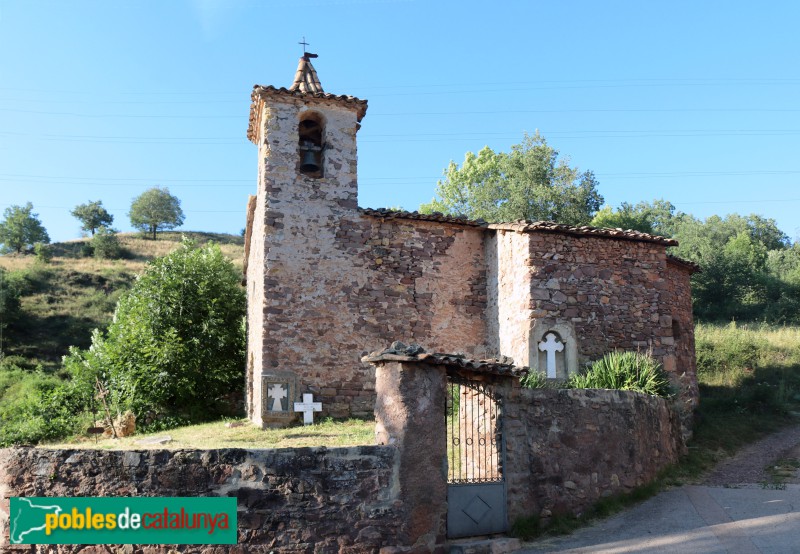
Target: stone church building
{"x":329,"y":281}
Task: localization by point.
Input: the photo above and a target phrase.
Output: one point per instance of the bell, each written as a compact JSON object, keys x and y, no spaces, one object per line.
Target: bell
{"x":309,"y":162}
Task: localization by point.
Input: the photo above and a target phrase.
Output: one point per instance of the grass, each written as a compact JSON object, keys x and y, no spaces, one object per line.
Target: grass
{"x":330,"y":433}
{"x":65,"y":299}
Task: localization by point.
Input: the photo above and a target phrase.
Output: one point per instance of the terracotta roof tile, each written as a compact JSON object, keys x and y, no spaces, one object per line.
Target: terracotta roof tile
{"x":384,"y":213}
{"x":305,"y":78}
{"x":399,"y":352}
{"x":261,"y":92}
{"x":524,"y":226}
{"x":686,"y":264}
{"x":585,"y":230}
{"x":306,"y":84}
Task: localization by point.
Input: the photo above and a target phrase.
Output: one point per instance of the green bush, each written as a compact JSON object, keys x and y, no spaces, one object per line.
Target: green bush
{"x":35,"y":406}
{"x":43,"y":252}
{"x":10,"y":289}
{"x":105,"y":244}
{"x":625,"y":371}
{"x":176,"y":346}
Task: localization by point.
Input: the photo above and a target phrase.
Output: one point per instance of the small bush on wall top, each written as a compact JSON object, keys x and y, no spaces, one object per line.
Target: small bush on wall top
{"x":625,"y":371}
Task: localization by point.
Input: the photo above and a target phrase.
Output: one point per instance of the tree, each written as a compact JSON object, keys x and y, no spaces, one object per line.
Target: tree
{"x":21,"y":229}
{"x":530,"y":182}
{"x":176,"y":345}
{"x":155,"y":210}
{"x":657,"y":217}
{"x":92,"y":216}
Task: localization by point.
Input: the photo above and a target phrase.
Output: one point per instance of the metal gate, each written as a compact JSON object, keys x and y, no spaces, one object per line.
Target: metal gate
{"x":476,"y":488}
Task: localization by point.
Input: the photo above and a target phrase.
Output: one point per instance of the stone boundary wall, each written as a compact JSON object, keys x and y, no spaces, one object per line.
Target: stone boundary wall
{"x":289,"y":500}
{"x":565,"y":449}
{"x":568,"y":448}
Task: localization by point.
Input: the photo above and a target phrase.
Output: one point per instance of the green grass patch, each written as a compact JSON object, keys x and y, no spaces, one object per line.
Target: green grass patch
{"x":328,"y":432}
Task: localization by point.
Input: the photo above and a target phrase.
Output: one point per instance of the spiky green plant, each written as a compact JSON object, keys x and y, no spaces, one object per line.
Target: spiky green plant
{"x":535,"y":380}
{"x":634,"y":371}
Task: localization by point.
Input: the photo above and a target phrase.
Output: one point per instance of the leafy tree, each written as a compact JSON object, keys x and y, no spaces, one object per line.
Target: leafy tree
{"x":21,"y":229}
{"x":92,"y":216}
{"x":155,"y":210}
{"x":176,"y":345}
{"x":658,"y":217}
{"x":530,"y":182}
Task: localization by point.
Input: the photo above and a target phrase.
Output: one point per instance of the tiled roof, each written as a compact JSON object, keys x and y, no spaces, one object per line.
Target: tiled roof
{"x":306,"y":85}
{"x":691,"y":266}
{"x":523,"y":226}
{"x":585,"y":230}
{"x":305,"y":78}
{"x":399,"y":352}
{"x":384,"y":213}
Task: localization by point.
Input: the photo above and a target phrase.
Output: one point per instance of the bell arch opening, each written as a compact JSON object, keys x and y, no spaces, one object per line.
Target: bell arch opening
{"x":311,"y":146}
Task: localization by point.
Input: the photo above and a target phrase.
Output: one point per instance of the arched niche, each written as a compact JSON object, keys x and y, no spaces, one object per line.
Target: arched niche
{"x":566,"y":359}
{"x":311,"y":145}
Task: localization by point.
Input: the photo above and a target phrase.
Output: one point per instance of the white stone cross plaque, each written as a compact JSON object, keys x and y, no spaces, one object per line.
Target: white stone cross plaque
{"x":308,"y":407}
{"x":551,"y":345}
{"x":277,"y":392}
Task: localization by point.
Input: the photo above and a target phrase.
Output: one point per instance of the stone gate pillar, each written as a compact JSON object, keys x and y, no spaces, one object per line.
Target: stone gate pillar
{"x":409,"y":414}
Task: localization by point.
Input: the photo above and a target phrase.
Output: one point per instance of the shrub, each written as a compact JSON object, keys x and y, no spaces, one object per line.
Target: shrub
{"x":105,"y":244}
{"x":625,"y":371}
{"x":35,"y":406}
{"x":9,"y":299}
{"x":43,"y":252}
{"x":176,"y":345}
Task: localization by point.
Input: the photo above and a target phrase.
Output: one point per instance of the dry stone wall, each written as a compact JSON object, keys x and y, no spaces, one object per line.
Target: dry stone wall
{"x":566,"y":449}
{"x":683,"y":366}
{"x":289,"y":500}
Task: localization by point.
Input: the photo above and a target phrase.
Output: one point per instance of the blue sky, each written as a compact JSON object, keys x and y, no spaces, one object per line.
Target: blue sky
{"x":694,"y":102}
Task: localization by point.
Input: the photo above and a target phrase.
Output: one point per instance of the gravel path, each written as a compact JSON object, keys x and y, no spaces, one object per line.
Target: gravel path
{"x":748,"y":465}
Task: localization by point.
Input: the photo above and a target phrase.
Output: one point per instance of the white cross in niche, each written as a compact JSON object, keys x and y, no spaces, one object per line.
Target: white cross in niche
{"x":277,"y":392}
{"x":551,"y":345}
{"x":308,"y":407}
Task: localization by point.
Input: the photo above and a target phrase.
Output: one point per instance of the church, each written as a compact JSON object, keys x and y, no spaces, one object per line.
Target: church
{"x":329,"y":281}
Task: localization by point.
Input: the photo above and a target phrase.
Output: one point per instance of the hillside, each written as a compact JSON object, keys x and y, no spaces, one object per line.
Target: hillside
{"x":65,"y":299}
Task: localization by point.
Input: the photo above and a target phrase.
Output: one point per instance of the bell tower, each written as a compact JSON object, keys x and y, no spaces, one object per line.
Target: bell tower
{"x":307,"y":187}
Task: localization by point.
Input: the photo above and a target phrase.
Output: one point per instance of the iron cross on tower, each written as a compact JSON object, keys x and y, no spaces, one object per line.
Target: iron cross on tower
{"x":306,"y":55}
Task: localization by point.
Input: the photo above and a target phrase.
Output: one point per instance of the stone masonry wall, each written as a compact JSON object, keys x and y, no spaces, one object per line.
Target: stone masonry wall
{"x":289,"y":500}
{"x":568,"y":448}
{"x":615,"y":294}
{"x":609,"y":290}
{"x":682,"y":327}
{"x":328,"y":283}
